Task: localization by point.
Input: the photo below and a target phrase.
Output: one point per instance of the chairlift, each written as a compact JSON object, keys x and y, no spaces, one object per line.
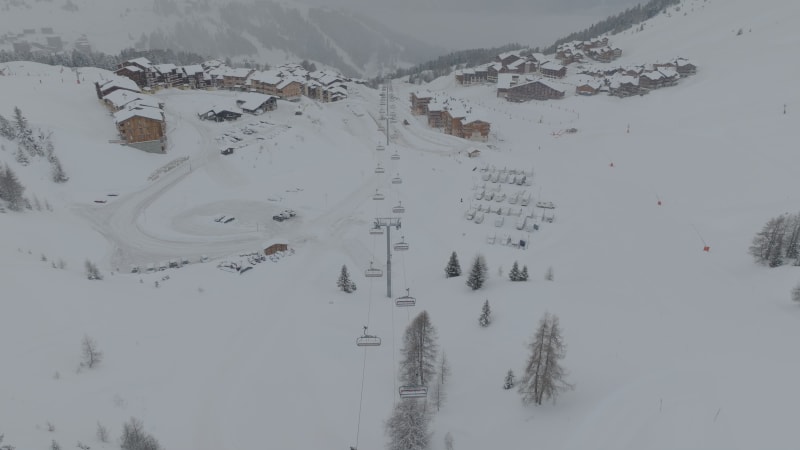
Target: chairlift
{"x":380,"y":148}
{"x":395,"y":156}
{"x":373,"y":272}
{"x":368,"y":340}
{"x":379,"y":169}
{"x":399,"y":209}
{"x":413,"y":391}
{"x":406,"y":300}
{"x":397,"y":180}
{"x":376,"y":230}
{"x":401,"y":246}
{"x":378,"y":195}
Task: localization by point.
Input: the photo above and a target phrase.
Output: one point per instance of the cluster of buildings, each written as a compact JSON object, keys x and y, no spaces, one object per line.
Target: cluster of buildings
{"x":453,"y":117}
{"x":139,"y":117}
{"x":287,"y":82}
{"x":522,"y":75}
{"x":41,"y":41}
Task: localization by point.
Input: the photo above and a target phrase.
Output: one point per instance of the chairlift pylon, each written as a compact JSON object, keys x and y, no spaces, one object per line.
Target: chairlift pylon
{"x":406,"y":300}
{"x":368,"y":340}
{"x":402,"y":245}
{"x":399,"y":209}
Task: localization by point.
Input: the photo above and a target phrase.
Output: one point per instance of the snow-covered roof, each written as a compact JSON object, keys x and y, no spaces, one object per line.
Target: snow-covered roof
{"x":270,"y":77}
{"x":133,"y":68}
{"x":122,"y":97}
{"x":192,"y":69}
{"x":120,"y":82}
{"x":238,"y":72}
{"x":139,"y":111}
{"x":552,"y":66}
{"x":289,"y":81}
{"x":142,"y":61}
{"x":251,"y":100}
{"x":165,"y":68}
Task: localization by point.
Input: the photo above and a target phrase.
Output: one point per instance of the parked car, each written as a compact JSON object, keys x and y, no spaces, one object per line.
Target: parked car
{"x":283,"y":215}
{"x":227,"y":151}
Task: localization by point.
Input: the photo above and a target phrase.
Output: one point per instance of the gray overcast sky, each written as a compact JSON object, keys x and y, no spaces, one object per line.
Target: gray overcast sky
{"x":459,"y":24}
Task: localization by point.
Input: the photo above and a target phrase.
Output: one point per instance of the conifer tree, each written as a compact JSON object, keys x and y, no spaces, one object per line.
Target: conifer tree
{"x":453,"y":268}
{"x":344,"y":282}
{"x":523,"y":276}
{"x":514,"y":273}
{"x":11,"y":189}
{"x":477,"y":275}
{"x":418,"y":365}
{"x":408,"y":426}
{"x":508,"y":383}
{"x":486,"y":315}
{"x":7,"y":129}
{"x":544,"y":378}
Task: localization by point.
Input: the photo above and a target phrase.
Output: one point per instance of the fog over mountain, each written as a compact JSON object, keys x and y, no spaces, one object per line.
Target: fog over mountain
{"x":358,"y":37}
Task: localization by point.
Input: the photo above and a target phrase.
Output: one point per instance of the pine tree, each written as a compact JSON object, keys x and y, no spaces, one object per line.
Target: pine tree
{"x":796,"y":293}
{"x":453,"y":268}
{"x":509,"y":381}
{"x":486,"y":315}
{"x":407,"y":428}
{"x":418,"y":365}
{"x":792,"y":237}
{"x":769,"y":241}
{"x":22,"y":157}
{"x":544,"y":377}
{"x":477,"y":275}
{"x":344,"y":282}
{"x":7,"y":129}
{"x":514,"y":274}
{"x":20,"y":122}
{"x":523,"y":276}
{"x":11,"y":189}
{"x":57,"y":173}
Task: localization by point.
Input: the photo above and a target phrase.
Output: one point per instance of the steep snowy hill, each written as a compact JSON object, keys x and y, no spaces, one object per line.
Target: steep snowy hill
{"x":665,"y":341}
{"x":262,"y":32}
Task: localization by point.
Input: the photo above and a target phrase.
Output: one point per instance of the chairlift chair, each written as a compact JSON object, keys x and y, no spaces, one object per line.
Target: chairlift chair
{"x":376,"y":230}
{"x":399,"y":209}
{"x":373,"y":272}
{"x":380,"y":148}
{"x":397,"y":180}
{"x":378,"y":195}
{"x":379,"y":169}
{"x":413,"y":391}
{"x":368,"y":340}
{"x":395,"y":156}
{"x":401,"y":246}
{"x":406,"y":300}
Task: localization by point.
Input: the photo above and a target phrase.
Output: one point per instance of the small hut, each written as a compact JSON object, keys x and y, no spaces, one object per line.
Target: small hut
{"x":275,"y":246}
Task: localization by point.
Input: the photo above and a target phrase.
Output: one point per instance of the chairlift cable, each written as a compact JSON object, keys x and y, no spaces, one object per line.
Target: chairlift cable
{"x":361,"y":397}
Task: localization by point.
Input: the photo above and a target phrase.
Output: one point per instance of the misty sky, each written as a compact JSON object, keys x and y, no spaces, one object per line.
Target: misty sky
{"x":460,"y":24}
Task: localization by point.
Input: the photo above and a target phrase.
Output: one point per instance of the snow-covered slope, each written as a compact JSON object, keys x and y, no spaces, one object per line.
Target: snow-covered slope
{"x":265,"y":32}
{"x":666,"y":342}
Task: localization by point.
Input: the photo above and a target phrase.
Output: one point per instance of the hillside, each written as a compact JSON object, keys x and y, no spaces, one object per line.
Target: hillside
{"x":665,"y":341}
{"x":269,"y":32}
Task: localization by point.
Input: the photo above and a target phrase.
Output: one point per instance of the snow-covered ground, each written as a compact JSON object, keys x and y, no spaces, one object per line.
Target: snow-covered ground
{"x":668,"y":346}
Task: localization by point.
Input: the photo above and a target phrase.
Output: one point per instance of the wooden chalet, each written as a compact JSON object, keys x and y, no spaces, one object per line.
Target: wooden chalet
{"x":473,"y":75}
{"x":290,"y":89}
{"x":493,"y":70}
{"x":140,"y":70}
{"x":168,"y":75}
{"x":254,"y":103}
{"x":265,"y":82}
{"x":435,"y":115}
{"x":193,"y":76}
{"x":508,"y":57}
{"x":220,"y":114}
{"x":553,"y":70}
{"x":117,"y":83}
{"x":504,"y":83}
{"x":122,"y":99}
{"x":684,"y":67}
{"x":461,"y":123}
{"x":533,"y":90}
{"x":419,"y":103}
{"x":624,"y":86}
{"x":143,"y":127}
{"x":589,"y":88}
{"x":236,"y":79}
